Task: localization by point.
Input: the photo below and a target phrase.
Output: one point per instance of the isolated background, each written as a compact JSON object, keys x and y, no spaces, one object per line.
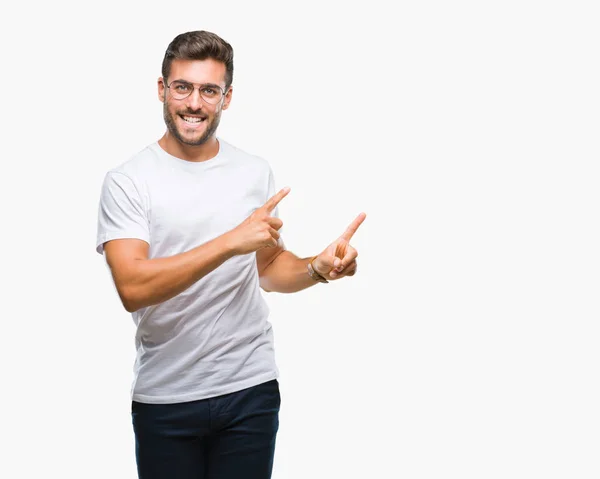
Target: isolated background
{"x":467,"y":345}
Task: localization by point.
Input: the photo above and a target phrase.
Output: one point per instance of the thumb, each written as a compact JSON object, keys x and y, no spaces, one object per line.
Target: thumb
{"x":326,"y":262}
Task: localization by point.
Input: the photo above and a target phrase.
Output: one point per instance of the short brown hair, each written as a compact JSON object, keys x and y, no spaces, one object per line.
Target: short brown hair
{"x":199,"y":45}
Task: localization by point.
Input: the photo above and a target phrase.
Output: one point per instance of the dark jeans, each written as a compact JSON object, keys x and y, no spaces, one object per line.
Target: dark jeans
{"x":225,"y":437}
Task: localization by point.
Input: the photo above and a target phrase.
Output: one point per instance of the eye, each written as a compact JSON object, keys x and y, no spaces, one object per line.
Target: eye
{"x":210,"y":91}
{"x":181,"y":87}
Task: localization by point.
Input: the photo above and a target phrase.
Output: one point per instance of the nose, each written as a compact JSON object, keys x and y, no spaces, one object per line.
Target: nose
{"x":194,"y":101}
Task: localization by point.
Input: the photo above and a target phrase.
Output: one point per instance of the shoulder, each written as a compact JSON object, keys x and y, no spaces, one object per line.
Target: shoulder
{"x":243,"y":157}
{"x":137,"y":165}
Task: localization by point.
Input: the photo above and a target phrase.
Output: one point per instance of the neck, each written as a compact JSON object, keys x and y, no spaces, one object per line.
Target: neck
{"x":203,"y":152}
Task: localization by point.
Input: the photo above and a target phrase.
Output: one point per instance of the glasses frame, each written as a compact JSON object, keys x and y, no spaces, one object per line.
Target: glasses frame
{"x":199,"y":88}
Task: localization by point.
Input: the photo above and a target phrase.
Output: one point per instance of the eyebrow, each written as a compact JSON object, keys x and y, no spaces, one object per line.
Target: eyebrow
{"x":181,"y":80}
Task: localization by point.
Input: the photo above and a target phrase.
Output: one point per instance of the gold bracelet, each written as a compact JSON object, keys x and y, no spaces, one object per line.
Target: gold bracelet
{"x":312,"y":272}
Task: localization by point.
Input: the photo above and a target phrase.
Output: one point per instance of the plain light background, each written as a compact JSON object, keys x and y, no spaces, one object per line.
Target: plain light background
{"x":467,"y":345}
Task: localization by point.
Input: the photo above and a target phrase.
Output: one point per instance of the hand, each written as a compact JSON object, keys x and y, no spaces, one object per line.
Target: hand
{"x":339,"y":258}
{"x":259,"y":230}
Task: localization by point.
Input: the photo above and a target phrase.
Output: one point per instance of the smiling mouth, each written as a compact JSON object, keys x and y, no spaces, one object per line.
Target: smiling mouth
{"x":192,"y":120}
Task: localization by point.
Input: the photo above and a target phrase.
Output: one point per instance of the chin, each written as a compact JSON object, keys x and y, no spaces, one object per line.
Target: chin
{"x":194,"y":140}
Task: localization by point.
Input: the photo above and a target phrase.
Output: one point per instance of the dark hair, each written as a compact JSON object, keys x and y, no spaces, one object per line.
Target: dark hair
{"x":199,"y":45}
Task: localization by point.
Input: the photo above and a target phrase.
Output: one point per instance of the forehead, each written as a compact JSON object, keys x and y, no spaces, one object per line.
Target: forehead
{"x":198,"y":71}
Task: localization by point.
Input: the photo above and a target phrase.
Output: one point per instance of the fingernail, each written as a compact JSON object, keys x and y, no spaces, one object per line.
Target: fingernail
{"x":333,"y":274}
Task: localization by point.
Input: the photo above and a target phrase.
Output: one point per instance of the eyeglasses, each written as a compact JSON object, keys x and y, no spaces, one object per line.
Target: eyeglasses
{"x":210,"y":93}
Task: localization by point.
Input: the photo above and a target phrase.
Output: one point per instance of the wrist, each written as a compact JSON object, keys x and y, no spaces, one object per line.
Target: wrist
{"x":314,"y":273}
{"x":229,"y":245}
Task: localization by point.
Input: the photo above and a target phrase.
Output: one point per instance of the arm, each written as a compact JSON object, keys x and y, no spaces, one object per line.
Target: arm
{"x":283,"y":272}
{"x":143,"y":282}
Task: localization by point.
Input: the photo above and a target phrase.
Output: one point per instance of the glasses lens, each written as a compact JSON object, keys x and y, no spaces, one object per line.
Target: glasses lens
{"x":211,"y":94}
{"x":180,"y":90}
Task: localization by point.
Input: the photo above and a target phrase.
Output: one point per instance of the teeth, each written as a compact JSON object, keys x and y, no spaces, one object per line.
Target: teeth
{"x":192,"y":119}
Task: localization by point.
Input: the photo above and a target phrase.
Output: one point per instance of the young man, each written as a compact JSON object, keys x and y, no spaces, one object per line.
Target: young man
{"x":190,"y":230}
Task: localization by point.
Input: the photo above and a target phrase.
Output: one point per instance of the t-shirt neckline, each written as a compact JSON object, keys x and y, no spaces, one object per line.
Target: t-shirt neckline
{"x":192,"y":166}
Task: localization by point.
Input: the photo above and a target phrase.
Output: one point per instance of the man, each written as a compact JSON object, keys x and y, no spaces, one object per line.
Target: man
{"x":190,"y":231}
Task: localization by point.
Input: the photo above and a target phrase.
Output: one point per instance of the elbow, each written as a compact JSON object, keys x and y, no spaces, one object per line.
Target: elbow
{"x":128,"y":299}
{"x":129,"y":307}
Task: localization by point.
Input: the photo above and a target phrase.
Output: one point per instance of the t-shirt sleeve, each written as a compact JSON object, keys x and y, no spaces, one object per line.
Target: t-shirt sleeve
{"x":121,"y":212}
{"x":272,"y":189}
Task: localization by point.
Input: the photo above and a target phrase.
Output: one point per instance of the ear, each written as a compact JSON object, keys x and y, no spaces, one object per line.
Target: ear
{"x":161,"y":89}
{"x":227,"y":98}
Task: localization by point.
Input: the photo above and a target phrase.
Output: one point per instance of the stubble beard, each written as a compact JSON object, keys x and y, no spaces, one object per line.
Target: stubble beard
{"x":211,"y":127}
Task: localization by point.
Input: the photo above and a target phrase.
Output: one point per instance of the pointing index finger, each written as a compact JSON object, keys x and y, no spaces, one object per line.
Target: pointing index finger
{"x":276,"y":198}
{"x":347,"y":235}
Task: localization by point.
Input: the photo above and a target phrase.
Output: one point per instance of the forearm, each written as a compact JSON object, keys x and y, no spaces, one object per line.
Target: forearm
{"x":153,"y":281}
{"x":286,"y":274}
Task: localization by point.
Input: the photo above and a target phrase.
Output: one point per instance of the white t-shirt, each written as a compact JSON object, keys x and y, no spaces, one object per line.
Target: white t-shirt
{"x":213,"y":338}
